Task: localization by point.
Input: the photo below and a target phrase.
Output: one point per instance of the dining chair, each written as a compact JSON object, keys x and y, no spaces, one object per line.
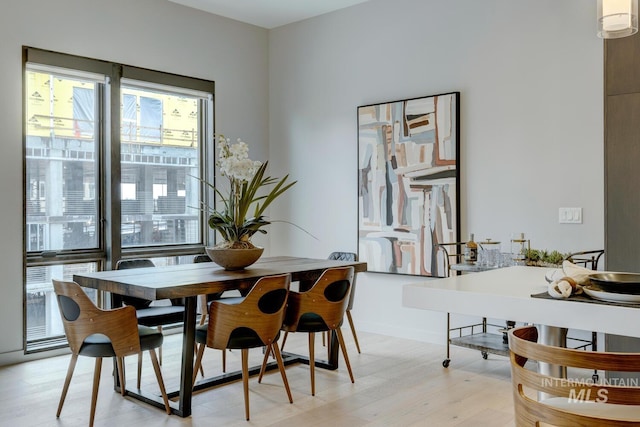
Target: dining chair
{"x":253,"y":321}
{"x":205,"y":301}
{"x":98,"y":333}
{"x":540,"y":398}
{"x":348,"y":256}
{"x":154,"y":316}
{"x":319,"y":309}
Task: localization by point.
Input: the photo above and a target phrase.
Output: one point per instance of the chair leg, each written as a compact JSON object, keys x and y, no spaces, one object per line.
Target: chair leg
{"x":276,"y":351}
{"x":245,"y":380}
{"x":203,"y":308}
{"x":264,"y":362}
{"x":284,"y":340}
{"x":160,"y":348}
{"x":224,"y":361}
{"x":195,"y":353}
{"x":163,"y":391}
{"x":67,"y":380}
{"x":312,"y":362}
{"x":344,"y":353}
{"x":139,"y":369}
{"x":198,"y":362}
{"x":120,"y":369}
{"x":94,"y":394}
{"x":353,"y":329}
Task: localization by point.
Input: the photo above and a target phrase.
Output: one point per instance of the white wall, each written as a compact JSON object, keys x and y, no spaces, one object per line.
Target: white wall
{"x":147,"y":33}
{"x":530,"y":74}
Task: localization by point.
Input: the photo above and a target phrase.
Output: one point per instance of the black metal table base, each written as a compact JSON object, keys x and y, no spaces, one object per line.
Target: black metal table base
{"x":182,"y":406}
{"x":207,"y":383}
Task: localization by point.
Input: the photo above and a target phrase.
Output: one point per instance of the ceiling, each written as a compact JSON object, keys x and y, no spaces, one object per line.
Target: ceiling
{"x":268,"y":13}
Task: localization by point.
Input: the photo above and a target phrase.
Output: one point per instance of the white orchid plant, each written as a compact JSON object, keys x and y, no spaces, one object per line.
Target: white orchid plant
{"x":235,"y":223}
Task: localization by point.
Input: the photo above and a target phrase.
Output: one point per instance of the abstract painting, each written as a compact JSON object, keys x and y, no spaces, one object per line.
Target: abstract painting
{"x":408,"y":183}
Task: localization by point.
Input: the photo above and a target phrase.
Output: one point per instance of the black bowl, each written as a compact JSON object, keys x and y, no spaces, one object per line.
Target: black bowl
{"x":620,"y":283}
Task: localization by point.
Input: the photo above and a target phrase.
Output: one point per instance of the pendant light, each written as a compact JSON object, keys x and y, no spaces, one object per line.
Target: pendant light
{"x":617,"y":18}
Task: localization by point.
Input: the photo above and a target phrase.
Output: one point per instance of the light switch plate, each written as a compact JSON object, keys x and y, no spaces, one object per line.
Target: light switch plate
{"x":570,"y":215}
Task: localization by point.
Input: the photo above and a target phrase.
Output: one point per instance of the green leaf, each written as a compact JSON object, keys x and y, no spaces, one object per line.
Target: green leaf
{"x":232,"y":222}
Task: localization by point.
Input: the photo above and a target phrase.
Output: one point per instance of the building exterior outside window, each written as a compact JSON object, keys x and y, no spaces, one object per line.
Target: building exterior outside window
{"x":66,"y":171}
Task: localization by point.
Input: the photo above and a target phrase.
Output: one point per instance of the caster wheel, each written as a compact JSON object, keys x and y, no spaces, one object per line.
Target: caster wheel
{"x":485,"y":355}
{"x":446,"y":362}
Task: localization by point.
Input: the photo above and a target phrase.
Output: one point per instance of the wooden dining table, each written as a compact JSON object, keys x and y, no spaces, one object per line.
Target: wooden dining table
{"x":188,"y":281}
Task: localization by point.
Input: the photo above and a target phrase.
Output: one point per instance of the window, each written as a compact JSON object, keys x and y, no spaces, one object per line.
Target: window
{"x":94,"y":195}
{"x":60,"y":124}
{"x":159,"y":191}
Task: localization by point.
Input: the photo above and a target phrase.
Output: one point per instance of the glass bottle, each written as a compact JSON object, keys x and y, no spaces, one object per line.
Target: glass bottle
{"x":470,"y":251}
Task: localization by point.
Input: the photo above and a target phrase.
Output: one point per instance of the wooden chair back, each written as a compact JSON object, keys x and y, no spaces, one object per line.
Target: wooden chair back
{"x":261,"y":311}
{"x":575,"y":392}
{"x":140,"y":303}
{"x":82,"y":318}
{"x":347,"y":256}
{"x":125,"y":264}
{"x":327,"y":298}
{"x":201,"y":258}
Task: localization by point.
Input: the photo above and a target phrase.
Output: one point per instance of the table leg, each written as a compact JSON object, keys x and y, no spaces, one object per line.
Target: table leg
{"x":333,"y":350}
{"x":557,"y":337}
{"x":185,"y":393}
{"x":186,"y":370}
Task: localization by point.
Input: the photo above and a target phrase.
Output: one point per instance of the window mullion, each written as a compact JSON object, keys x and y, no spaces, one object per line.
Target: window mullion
{"x":112,"y":168}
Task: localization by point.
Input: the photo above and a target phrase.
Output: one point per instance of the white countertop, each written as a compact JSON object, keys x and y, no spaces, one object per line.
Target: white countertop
{"x":505,"y":293}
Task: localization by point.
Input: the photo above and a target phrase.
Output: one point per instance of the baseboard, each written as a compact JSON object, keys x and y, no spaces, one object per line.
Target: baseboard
{"x":13,"y":357}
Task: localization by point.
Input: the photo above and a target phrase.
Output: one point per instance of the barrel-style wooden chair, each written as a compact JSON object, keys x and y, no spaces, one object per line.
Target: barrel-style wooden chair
{"x":98,"y":333}
{"x":319,"y":309}
{"x":249,"y":322}
{"x":348,"y":256}
{"x":155,"y":316}
{"x":205,"y":302}
{"x":540,"y":398}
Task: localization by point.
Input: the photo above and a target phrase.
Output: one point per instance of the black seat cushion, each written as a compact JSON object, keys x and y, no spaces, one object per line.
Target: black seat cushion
{"x":201,"y":334}
{"x":160,"y":315}
{"x":99,"y":345}
{"x":311,"y":322}
{"x":240,"y":337}
{"x":244,"y":338}
{"x":138,"y":303}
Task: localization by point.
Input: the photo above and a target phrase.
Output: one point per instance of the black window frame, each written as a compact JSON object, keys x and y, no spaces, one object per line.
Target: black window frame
{"x":110,"y":249}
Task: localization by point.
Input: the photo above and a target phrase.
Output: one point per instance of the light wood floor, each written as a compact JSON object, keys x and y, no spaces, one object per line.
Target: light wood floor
{"x":399,"y":382}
